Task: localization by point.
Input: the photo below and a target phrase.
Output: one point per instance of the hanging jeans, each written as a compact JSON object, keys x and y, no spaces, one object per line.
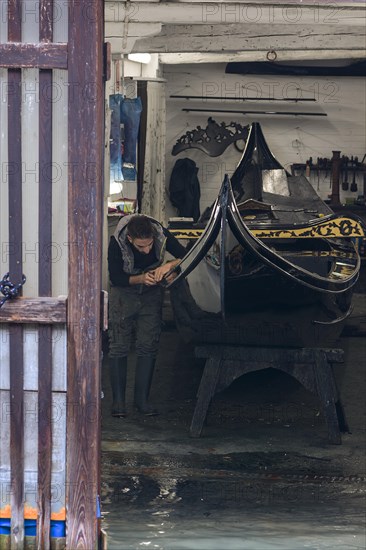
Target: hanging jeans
{"x":130,"y":118}
{"x":126,"y":112}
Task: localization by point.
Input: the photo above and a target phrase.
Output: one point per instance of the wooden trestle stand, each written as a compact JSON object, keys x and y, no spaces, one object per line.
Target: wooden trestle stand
{"x":312,"y":367}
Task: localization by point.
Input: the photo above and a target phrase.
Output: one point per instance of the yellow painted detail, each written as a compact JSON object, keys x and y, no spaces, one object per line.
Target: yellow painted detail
{"x":341,"y":227}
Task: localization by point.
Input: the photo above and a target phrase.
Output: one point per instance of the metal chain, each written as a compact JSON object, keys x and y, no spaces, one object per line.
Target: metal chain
{"x":8,"y":289}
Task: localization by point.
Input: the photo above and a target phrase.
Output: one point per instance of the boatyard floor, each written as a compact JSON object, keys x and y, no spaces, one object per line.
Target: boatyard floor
{"x":262,"y":475}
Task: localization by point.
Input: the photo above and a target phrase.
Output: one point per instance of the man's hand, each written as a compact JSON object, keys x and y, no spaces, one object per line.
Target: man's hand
{"x":149,"y":278}
{"x":161,"y":271}
{"x":170,"y":278}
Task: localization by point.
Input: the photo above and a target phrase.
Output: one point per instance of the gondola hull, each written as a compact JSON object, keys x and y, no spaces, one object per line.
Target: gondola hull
{"x":285,"y":315}
{"x":271,"y":267}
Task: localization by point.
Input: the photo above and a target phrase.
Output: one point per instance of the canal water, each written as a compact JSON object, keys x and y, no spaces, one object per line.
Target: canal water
{"x":237,"y":516}
{"x":262,"y":476}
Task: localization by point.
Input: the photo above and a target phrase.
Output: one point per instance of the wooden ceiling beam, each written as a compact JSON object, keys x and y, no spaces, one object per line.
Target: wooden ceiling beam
{"x":244,"y":30}
{"x":251,"y":38}
{"x":243,"y":12}
{"x":260,"y":55}
{"x":122,"y":36}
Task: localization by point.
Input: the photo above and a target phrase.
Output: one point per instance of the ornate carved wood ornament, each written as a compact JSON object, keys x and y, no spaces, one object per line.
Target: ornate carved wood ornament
{"x":213,"y":140}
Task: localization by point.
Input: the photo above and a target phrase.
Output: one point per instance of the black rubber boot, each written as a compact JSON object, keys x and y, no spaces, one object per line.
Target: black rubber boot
{"x":143,"y":377}
{"x":118,"y":377}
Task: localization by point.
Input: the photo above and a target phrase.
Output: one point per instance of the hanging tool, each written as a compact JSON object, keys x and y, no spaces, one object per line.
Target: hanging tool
{"x":285,"y":113}
{"x":326,"y":166}
{"x":307,"y":168}
{"x":345,"y":181}
{"x":335,"y":176}
{"x":323,"y":165}
{"x":354,"y":184}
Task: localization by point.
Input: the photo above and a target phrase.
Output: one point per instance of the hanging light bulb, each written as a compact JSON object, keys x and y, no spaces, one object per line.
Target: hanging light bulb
{"x":140,"y":57}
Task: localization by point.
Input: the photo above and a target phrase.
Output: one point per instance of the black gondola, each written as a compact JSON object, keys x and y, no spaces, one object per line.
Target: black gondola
{"x":273,"y":265}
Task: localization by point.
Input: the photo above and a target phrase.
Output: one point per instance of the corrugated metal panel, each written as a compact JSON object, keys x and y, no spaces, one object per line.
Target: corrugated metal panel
{"x":31,"y":339}
{"x":30,"y":21}
{"x":32,"y":258}
{"x":3,"y":25}
{"x":58,"y":415}
{"x":60,"y":21}
{"x":30,"y":179}
{"x":4,"y":194}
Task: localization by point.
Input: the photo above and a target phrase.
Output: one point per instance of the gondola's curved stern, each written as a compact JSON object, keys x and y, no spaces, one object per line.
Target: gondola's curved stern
{"x":270,"y":268}
{"x":224,"y":202}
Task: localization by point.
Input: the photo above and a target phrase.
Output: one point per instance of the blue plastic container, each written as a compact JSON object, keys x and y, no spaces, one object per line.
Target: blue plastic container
{"x":58,"y":528}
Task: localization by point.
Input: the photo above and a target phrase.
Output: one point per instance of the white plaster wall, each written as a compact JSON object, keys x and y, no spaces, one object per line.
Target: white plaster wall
{"x":292,"y":139}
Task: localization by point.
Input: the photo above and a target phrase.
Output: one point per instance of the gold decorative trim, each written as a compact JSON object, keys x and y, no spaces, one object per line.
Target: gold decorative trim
{"x":336,"y":228}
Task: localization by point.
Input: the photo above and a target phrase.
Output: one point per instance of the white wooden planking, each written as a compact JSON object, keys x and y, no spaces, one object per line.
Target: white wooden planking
{"x":291,"y":139}
{"x":153,"y":199}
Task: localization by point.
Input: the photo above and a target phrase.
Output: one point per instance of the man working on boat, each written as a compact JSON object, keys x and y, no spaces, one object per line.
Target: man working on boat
{"x":135,"y":262}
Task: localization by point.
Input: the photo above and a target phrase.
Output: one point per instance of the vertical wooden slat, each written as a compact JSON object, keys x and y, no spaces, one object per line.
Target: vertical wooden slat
{"x":15,"y":269}
{"x":45,"y":182}
{"x":14,"y":20}
{"x":86,"y":106}
{"x":45,"y":20}
{"x":16,"y":437}
{"x":45,"y":287}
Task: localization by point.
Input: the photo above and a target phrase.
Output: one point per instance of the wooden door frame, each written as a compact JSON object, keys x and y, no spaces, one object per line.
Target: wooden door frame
{"x":85,"y":204}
